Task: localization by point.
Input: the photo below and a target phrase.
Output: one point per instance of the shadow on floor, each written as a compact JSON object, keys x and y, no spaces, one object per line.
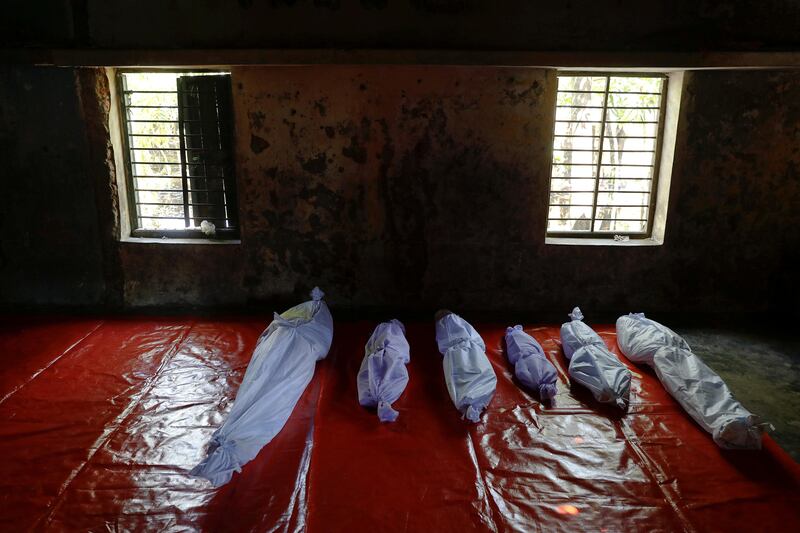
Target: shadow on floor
{"x":762,"y":368}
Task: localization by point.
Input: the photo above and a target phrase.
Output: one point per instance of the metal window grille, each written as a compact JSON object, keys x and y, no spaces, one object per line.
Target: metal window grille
{"x":606,"y":150}
{"x":178,"y":143}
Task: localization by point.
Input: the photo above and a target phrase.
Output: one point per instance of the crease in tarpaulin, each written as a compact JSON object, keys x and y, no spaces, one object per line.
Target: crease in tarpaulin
{"x":550,"y":355}
{"x":496,"y":502}
{"x":661,"y":480}
{"x":650,"y":466}
{"x":488,"y":502}
{"x":112,"y":428}
{"x":298,"y":505}
{"x":297,"y":513}
{"x":51,"y":363}
{"x":553,"y":355}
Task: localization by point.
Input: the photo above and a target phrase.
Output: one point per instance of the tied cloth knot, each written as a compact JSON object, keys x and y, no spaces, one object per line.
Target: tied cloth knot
{"x":472,"y":414}
{"x":386,"y":413}
{"x":576,"y":314}
{"x":547,"y":391}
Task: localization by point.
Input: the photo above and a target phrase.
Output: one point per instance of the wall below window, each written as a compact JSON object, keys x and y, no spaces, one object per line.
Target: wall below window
{"x":411,"y":188}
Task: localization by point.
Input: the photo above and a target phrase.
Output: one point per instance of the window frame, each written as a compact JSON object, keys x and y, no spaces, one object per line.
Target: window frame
{"x":610,"y":236}
{"x":131,"y":207}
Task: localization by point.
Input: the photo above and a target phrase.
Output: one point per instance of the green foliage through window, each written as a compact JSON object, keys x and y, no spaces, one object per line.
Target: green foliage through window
{"x":605,"y":150}
{"x":178,"y":134}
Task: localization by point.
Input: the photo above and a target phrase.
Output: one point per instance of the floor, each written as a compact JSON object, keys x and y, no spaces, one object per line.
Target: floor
{"x":100,"y":420}
{"x":762,"y":368}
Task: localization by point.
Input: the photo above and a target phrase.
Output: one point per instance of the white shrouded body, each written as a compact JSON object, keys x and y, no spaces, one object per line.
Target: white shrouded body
{"x":697,"y":388}
{"x":383,"y":375}
{"x":530,"y":364}
{"x":471,"y":381}
{"x":592,"y":365}
{"x":282,"y":365}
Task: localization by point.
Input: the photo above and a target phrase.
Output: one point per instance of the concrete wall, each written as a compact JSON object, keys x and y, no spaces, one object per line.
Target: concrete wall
{"x":412,"y":188}
{"x":733,"y":225}
{"x":585,"y":25}
{"x":407,"y":188}
{"x":50,"y":250}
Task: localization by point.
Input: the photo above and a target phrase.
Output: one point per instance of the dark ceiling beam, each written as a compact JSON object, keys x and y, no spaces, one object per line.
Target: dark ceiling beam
{"x":231,"y":57}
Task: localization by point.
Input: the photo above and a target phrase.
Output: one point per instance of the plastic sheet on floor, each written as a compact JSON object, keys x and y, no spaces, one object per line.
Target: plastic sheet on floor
{"x":101,"y":420}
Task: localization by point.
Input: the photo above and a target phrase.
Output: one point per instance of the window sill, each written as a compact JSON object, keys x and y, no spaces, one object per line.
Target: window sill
{"x":571,"y":241}
{"x":166,"y":241}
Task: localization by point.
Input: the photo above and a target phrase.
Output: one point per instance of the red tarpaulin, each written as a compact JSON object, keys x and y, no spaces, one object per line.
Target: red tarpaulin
{"x":100,"y":421}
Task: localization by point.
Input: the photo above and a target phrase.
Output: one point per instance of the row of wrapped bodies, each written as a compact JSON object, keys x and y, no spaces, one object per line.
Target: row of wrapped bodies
{"x":700,"y":391}
{"x":285,"y":357}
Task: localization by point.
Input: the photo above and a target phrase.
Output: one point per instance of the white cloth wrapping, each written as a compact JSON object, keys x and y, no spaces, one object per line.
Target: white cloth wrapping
{"x":471,"y":381}
{"x":592,"y":365}
{"x":282,"y":365}
{"x":695,"y":386}
{"x":383,"y":375}
{"x":639,"y":338}
{"x":531,"y":366}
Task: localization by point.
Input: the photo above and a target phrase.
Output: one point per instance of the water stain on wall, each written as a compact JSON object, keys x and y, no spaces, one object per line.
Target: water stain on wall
{"x":414,"y":188}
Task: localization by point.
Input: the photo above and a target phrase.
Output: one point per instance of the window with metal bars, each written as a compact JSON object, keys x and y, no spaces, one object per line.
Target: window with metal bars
{"x":606,"y":150}
{"x":178,"y":129}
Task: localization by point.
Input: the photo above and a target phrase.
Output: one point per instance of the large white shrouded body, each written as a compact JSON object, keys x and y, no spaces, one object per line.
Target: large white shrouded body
{"x":282,"y":365}
{"x":695,"y":386}
{"x":592,"y":365}
{"x":383,"y":375}
{"x":470,"y":379}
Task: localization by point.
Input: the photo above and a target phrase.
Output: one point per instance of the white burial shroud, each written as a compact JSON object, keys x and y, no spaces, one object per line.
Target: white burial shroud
{"x":469,"y":376}
{"x":383,"y":375}
{"x":699,"y":390}
{"x":592,"y":365}
{"x":282,"y":365}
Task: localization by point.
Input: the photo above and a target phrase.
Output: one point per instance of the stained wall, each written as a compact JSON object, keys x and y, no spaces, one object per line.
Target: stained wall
{"x":412,"y":188}
{"x":50,"y":246}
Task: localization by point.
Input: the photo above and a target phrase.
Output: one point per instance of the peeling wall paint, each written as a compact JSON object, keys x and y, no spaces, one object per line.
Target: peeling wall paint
{"x":411,"y":188}
{"x":375,"y":177}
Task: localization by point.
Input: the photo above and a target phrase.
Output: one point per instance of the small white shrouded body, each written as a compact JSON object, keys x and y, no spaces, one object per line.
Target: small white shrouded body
{"x":471,"y":381}
{"x":592,"y":365}
{"x":383,"y":375}
{"x":530,"y":364}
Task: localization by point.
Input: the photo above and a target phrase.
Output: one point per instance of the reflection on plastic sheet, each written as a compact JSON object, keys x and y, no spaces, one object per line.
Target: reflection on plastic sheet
{"x":102,"y":419}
